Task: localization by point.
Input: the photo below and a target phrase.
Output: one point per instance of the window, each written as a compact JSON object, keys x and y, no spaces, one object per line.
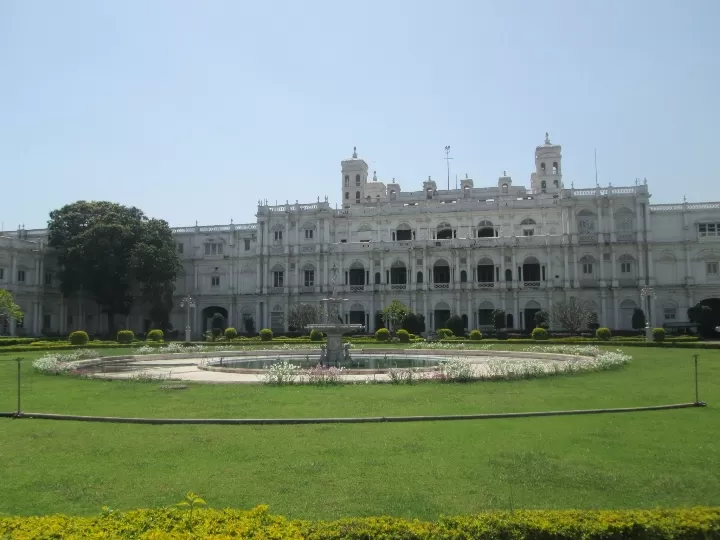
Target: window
{"x":528,"y":232}
{"x":46,"y":321}
{"x":347,"y":180}
{"x":555,"y":167}
{"x":625,"y":268}
{"x":69,"y":321}
{"x":278,"y":236}
{"x":542,"y":168}
{"x":48,"y":278}
{"x":215,"y":281}
{"x":357,"y":179}
{"x":712,"y":268}
{"x":247,"y":244}
{"x":2,"y":273}
{"x":670,"y":313}
{"x":308,"y":234}
{"x":309,"y":278}
{"x":504,"y":188}
{"x":347,"y":195}
{"x":587,"y":268}
{"x":213,"y":248}
{"x":278,"y":279}
{"x":709,"y":229}
{"x":21,"y":276}
{"x":556,"y":183}
{"x":180,"y":247}
{"x":357,"y":196}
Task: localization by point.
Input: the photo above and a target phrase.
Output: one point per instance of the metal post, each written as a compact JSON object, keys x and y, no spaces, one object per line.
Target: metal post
{"x":697,"y":393}
{"x":18,"y":360}
{"x":188,"y":302}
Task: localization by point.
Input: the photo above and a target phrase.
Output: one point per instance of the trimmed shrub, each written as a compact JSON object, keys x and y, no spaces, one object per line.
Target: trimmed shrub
{"x":78,"y":337}
{"x":382,"y":334}
{"x":125,"y":336}
{"x":445,"y":333}
{"x":476,"y":335}
{"x":403,"y":335}
{"x":316,"y":335}
{"x":266,"y":334}
{"x":603,"y":333}
{"x":230,"y":333}
{"x":155,"y":335}
{"x":658,"y":334}
{"x":540,"y":334}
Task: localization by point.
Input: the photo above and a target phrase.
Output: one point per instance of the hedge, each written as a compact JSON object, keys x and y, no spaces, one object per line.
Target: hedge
{"x":166,"y":523}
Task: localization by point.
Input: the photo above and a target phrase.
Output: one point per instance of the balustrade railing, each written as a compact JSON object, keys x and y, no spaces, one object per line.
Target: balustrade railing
{"x":531,"y":284}
{"x":625,"y":238}
{"x":485,"y":285}
{"x":398,"y":286}
{"x":357,"y":288}
{"x":441,"y":285}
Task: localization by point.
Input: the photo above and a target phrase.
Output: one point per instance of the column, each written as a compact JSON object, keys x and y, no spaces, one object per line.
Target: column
{"x":371,"y":327}
{"x":13,"y":269}
{"x":688,"y":274}
{"x":613,"y":239}
{"x":613,"y":266}
{"x":651,"y":271}
{"x":258,"y":274}
{"x":515,"y":276}
{"x":576,"y":272}
{"x":566,"y":280}
{"x":641,"y":265}
{"x":383,"y":281}
{"x":195,"y":277}
{"x":326,"y":274}
{"x":426,"y":275}
{"x":549,"y":274}
{"x":603,"y":311}
{"x":425,"y":313}
{"x":502,"y":269}
{"x":517,"y":323}
{"x":601,"y":232}
{"x":616,"y":310}
{"x":639,"y":220}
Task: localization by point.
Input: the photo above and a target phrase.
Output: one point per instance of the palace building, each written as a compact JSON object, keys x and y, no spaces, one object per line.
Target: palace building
{"x":463,"y":251}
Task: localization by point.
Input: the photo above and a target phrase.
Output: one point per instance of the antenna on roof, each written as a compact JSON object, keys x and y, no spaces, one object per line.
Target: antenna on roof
{"x":447,"y":158}
{"x":455,"y":180}
{"x":596,"y":177}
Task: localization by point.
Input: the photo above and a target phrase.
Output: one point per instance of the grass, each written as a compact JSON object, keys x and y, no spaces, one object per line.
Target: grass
{"x":669,"y":458}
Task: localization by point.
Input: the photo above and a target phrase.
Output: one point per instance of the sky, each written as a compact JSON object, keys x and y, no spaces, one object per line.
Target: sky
{"x":195,"y":110}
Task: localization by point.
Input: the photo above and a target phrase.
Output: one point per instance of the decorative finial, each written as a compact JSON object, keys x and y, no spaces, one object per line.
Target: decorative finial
{"x":354,"y":152}
{"x":374,"y":176}
{"x":466,"y":176}
{"x":547,"y":138}
{"x":684,"y":198}
{"x":645,"y":181}
{"x":572,"y":184}
{"x":504,"y":173}
{"x":196,"y":223}
{"x":636,"y":181}
{"x":326,"y":199}
{"x":393,"y":180}
{"x":429,"y":179}
{"x":231,"y":221}
{"x":318,"y":198}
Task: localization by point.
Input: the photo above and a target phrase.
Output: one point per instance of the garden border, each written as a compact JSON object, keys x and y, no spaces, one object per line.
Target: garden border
{"x":341,"y":420}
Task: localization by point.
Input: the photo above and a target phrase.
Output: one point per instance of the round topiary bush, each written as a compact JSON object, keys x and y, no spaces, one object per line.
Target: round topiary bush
{"x":316,"y":335}
{"x":230,"y":333}
{"x":383,"y":334}
{"x":266,"y":334}
{"x":540,"y":334}
{"x":445,"y":333}
{"x":155,"y":335}
{"x":658,"y":334}
{"x":603,"y":333}
{"x":78,"y":337}
{"x":476,"y":335}
{"x":403,"y":335}
{"x":125,"y":336}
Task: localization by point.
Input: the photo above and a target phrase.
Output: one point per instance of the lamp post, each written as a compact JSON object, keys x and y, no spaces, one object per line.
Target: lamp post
{"x":188,"y":303}
{"x":647,"y":293}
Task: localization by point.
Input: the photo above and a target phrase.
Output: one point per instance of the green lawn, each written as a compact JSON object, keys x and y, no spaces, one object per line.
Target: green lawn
{"x":668,"y":458}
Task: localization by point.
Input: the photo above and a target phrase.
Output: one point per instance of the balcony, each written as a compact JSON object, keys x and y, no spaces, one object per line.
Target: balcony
{"x":398,"y":286}
{"x":587,"y":238}
{"x":308,"y":249}
{"x":625,"y":238}
{"x":357,"y":288}
{"x":485,"y":285}
{"x":441,"y":285}
{"x":531,"y":284}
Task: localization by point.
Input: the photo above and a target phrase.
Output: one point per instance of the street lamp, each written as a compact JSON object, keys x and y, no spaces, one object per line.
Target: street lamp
{"x":647,"y":293}
{"x":188,"y":303}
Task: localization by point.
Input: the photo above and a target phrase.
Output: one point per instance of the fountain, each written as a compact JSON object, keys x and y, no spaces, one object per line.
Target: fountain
{"x":335,"y":353}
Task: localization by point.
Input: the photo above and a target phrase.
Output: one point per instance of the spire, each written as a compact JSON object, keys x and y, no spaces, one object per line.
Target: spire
{"x":354,"y":152}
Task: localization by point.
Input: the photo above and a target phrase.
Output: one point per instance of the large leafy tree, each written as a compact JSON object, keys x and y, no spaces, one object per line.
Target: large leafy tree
{"x":394,"y":313}
{"x":8,"y":307}
{"x":300,"y":315}
{"x":115,"y":254}
{"x":572,"y":315}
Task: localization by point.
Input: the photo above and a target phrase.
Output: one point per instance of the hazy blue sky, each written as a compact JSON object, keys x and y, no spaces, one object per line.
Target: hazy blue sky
{"x":194,"y":110}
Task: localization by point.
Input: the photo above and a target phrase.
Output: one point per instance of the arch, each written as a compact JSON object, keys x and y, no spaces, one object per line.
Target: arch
{"x":587,"y":259}
{"x":403,"y":227}
{"x":626,"y":257}
{"x":358,"y":306}
{"x":357,"y":195}
{"x":278,"y":268}
{"x":504,"y":188}
{"x":398,"y":263}
{"x":485,"y":223}
{"x":628,"y":303}
{"x":510,"y":320}
{"x":508,"y":274}
{"x":532,"y":304}
{"x":667,"y":257}
{"x":528,"y":221}
{"x":530,"y":260}
{"x":707,"y":255}
{"x":278,"y":227}
{"x":556,"y":183}
{"x":357,"y":179}
{"x":377,"y":278}
{"x":441,"y":272}
{"x":442,"y":305}
{"x":486,"y":304}
{"x":398,"y":273}
{"x":308,"y":266}
{"x":392,"y":195}
{"x":364,"y":228}
{"x":419,"y":277}
{"x":486,"y":261}
{"x":357,"y":265}
{"x":403,"y":232}
{"x":441,"y":262}
{"x":627,"y":308}
{"x":444,"y":231}
{"x":465,"y":321}
{"x":463,"y":276}
{"x":542,"y":167}
{"x":555,"y":168}
{"x":212,"y":322}
{"x":309,"y":225}
{"x":585,"y":212}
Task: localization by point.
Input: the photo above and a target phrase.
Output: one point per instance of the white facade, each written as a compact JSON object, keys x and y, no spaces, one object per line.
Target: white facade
{"x":464,"y":251}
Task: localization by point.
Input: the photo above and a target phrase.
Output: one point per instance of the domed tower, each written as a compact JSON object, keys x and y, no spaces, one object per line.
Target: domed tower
{"x":354,"y":179}
{"x":547,"y":177}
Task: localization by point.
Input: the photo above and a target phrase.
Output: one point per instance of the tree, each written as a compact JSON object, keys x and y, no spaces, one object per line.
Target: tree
{"x":638,"y":319}
{"x":499,"y":319}
{"x":572,"y":315}
{"x":249,"y":323}
{"x":394,"y":313}
{"x":300,"y":315}
{"x":114,"y":253}
{"x":593,"y":321}
{"x":455,"y":323}
{"x":702,"y":314}
{"x":542,"y":319}
{"x":8,"y":308}
{"x":414,"y":323}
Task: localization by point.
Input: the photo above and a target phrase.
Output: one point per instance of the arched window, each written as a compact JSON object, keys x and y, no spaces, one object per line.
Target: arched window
{"x":556,"y":169}
{"x":357,"y":196}
{"x":392,"y":194}
{"x":419,"y":277}
{"x":504,"y":188}
{"x":543,"y":185}
{"x":542,"y":168}
{"x":377,"y":278}
{"x":557,"y":183}
{"x":347,"y":194}
{"x":357,"y":179}
{"x":465,"y":320}
{"x":508,"y":275}
{"x":463,"y":276}
{"x":347,"y":180}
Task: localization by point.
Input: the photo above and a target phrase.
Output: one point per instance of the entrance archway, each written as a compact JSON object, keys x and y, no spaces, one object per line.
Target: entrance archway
{"x":441,"y":314}
{"x":214,"y":317}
